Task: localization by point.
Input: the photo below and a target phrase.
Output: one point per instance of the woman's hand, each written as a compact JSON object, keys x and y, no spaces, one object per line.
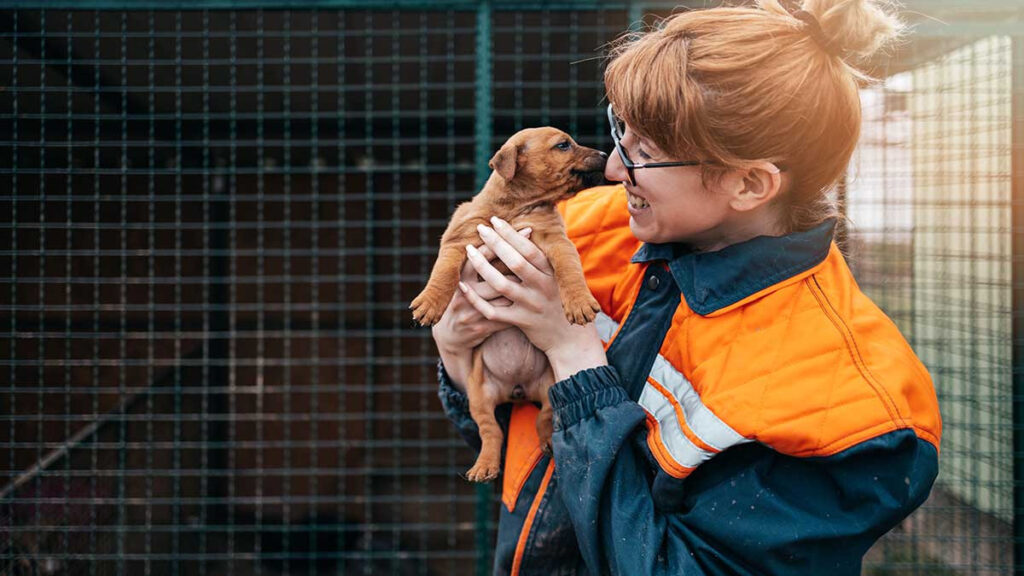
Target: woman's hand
{"x":462,"y":328}
{"x":535,"y":305}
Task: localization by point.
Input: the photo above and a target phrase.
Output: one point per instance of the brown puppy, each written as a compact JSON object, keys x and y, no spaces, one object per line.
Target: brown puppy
{"x":533,"y":170}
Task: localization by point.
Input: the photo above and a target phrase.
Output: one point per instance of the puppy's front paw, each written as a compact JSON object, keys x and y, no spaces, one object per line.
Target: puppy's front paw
{"x":580,"y":308}
{"x":428,"y":307}
{"x":485,"y":469}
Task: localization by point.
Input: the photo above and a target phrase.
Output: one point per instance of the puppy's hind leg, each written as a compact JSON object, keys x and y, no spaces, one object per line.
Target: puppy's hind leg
{"x":545,"y":422}
{"x":481,"y":407}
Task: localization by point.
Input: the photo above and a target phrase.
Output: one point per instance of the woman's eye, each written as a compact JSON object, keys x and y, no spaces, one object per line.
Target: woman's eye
{"x":643,"y":154}
{"x":563,"y":145}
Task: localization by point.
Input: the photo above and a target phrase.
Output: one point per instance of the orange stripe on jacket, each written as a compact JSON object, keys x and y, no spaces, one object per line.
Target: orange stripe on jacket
{"x":522,"y":452}
{"x":683,"y":425}
{"x":524,"y":535}
{"x":661,"y":453}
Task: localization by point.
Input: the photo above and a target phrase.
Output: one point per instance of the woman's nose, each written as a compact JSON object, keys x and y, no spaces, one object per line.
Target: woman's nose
{"x":614,"y":169}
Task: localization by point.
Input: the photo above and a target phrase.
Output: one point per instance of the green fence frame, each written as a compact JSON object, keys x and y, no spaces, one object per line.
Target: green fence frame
{"x":1017,"y":280}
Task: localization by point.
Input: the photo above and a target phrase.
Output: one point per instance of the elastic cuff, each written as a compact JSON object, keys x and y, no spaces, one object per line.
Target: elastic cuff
{"x":584,"y":393}
{"x":454,"y":400}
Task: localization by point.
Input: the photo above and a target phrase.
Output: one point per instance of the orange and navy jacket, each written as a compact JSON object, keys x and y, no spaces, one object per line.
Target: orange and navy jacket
{"x":759,"y":415}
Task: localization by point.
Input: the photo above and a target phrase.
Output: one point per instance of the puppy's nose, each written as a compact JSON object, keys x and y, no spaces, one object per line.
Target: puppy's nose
{"x":604,"y":155}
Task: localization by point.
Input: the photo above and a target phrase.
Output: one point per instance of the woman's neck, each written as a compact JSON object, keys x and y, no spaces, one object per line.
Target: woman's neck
{"x":745,"y":226}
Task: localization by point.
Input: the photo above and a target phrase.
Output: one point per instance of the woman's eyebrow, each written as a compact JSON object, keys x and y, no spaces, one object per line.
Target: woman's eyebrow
{"x":649,"y":147}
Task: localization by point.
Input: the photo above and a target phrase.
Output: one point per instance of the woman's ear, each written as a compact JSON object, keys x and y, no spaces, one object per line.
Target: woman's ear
{"x":755,"y":186}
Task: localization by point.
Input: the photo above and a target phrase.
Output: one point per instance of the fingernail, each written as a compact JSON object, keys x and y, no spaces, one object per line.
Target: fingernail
{"x":470,"y":249}
{"x":463,"y":287}
{"x":526,"y":231}
{"x":497,"y":221}
{"x":484,"y":230}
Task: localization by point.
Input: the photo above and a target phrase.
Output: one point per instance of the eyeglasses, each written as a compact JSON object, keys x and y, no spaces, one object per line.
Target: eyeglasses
{"x":618,"y":128}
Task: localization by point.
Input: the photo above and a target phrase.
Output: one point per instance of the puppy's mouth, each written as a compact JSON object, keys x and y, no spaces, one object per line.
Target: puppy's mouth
{"x":588,"y":178}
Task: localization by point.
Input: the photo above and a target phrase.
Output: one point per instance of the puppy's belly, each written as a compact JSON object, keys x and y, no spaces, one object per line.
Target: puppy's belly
{"x":515,"y":369}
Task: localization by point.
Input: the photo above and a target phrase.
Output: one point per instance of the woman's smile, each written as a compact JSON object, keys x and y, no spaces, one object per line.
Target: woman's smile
{"x":637,"y":204}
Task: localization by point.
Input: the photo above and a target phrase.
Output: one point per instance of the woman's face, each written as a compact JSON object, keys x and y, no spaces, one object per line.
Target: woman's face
{"x":668,"y":204}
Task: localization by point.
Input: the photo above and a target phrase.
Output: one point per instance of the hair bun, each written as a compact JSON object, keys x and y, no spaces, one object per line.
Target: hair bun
{"x":857,"y":29}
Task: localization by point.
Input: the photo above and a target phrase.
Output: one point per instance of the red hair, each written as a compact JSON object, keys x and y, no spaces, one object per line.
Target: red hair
{"x":734,"y":84}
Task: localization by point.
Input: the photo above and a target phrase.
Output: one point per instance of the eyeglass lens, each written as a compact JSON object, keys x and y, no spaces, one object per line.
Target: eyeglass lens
{"x":618,"y":130}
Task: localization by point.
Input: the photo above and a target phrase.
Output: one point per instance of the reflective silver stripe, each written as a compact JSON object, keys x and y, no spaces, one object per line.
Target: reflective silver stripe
{"x":701,"y":420}
{"x":704,"y":424}
{"x":606,"y":327}
{"x":684,"y":452}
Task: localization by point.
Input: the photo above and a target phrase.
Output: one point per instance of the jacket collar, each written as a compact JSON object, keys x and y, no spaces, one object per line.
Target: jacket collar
{"x":711,"y":281}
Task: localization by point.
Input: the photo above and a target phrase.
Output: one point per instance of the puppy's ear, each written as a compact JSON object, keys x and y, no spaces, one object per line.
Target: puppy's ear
{"x":504,"y":161}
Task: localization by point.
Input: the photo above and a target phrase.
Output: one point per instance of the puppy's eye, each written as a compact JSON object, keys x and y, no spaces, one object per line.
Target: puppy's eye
{"x":565,"y":145}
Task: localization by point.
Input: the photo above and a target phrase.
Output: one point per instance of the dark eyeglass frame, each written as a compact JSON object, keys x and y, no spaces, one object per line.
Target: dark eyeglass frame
{"x":629,"y":164}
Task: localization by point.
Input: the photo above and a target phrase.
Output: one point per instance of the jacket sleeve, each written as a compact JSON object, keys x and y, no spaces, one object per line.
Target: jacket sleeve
{"x":749,"y":510}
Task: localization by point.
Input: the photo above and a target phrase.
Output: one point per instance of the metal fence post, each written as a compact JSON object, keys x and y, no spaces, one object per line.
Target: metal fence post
{"x":483,"y":119}
{"x":1017,"y":276}
{"x":636,"y":16}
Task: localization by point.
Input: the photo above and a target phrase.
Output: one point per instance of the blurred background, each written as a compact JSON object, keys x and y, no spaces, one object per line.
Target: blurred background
{"x":213,"y":216}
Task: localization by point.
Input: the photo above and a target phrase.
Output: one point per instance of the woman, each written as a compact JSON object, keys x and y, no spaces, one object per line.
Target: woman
{"x":739,"y":406}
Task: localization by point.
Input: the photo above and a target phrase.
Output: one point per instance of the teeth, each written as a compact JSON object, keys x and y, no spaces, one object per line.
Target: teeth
{"x":636,"y":201}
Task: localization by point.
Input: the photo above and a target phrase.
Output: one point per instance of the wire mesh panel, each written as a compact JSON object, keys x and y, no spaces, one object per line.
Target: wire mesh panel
{"x":212,"y":222}
{"x":929,"y":200}
{"x":217,"y":219}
